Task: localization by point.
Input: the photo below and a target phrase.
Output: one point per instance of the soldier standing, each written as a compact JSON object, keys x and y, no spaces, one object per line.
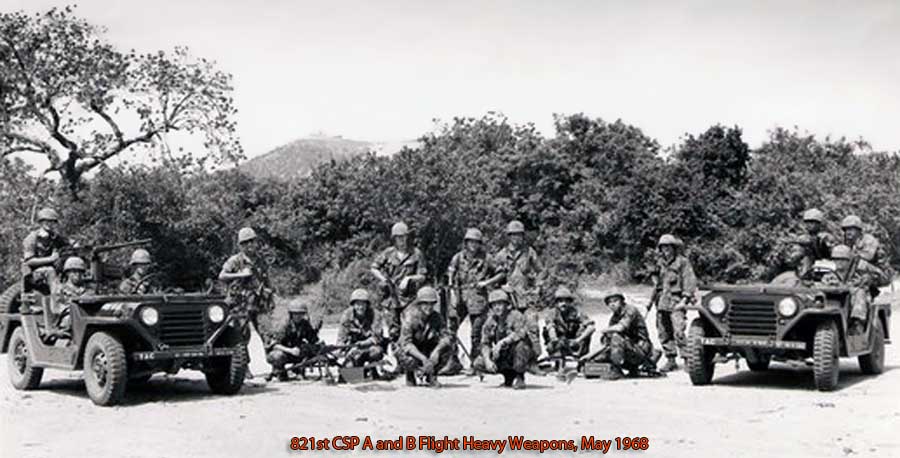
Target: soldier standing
{"x":249,"y":290}
{"x":399,"y":270}
{"x":518,"y":264}
{"x":425,"y":343}
{"x":822,"y":241}
{"x":468,"y":278}
{"x":41,"y":250}
{"x":293,"y":344}
{"x":627,"y":341}
{"x":360,"y":327}
{"x":140,"y":281}
{"x":568,"y":331}
{"x":675,"y":287}
{"x":505,"y":345}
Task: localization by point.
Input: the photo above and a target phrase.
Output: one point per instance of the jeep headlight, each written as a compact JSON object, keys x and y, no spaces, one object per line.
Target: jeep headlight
{"x":216,"y":313}
{"x":716,"y":305}
{"x":150,"y":316}
{"x":787,"y":306}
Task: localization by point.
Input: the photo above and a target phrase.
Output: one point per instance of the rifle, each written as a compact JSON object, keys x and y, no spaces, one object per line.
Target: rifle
{"x":323,"y":357}
{"x":654,"y":300}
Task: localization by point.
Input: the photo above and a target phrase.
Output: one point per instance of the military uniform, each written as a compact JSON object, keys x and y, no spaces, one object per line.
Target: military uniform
{"x":137,"y":284}
{"x":67,"y":293}
{"x":822,"y":243}
{"x":244,"y":293}
{"x":564,"y":326}
{"x":354,"y":329}
{"x":520,"y":269}
{"x":517,"y":355}
{"x":294,"y":335}
{"x":869,"y":249}
{"x":675,"y":282}
{"x":631,"y":347}
{"x":39,"y":244}
{"x":865,"y":276}
{"x":425,"y":331}
{"x":465,"y":271}
{"x":396,"y":265}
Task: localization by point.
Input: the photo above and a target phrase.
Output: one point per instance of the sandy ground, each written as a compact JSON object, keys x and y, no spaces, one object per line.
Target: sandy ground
{"x":777,"y":413}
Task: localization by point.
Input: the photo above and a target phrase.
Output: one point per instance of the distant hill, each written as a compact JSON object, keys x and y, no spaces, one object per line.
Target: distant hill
{"x":296,"y":159}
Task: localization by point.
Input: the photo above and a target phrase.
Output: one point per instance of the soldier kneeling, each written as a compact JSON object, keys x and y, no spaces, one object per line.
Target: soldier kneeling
{"x":425,"y":342}
{"x":569,"y":330}
{"x":505,"y":343}
{"x":627,"y":342}
{"x":294,"y":344}
{"x":360,"y":329}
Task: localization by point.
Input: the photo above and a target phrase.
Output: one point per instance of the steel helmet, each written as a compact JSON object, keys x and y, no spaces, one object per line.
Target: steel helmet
{"x":515,"y":227}
{"x":74,"y":263}
{"x":140,"y":256}
{"x":612,"y":294}
{"x":399,"y":229}
{"x":297,"y":307}
{"x":47,"y":214}
{"x":668,"y":239}
{"x":427,"y":294}
{"x":851,"y":221}
{"x":814,"y":214}
{"x":841,"y":252}
{"x":246,"y":234}
{"x":473,"y":234}
{"x":359,"y":295}
{"x":497,"y":295}
{"x":563,"y":293}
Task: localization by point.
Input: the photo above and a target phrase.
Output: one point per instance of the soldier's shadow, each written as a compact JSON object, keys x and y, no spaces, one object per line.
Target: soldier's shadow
{"x":791,"y":377}
{"x":157,"y":389}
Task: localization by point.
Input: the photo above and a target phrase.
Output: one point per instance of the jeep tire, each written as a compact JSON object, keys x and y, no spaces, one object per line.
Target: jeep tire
{"x":826,"y":369}
{"x":700,"y":365}
{"x":226,"y":376}
{"x":873,"y":363}
{"x":105,"y":369}
{"x":22,"y":374}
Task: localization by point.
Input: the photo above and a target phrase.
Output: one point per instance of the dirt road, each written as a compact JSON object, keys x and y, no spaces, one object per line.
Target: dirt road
{"x":777,"y":413}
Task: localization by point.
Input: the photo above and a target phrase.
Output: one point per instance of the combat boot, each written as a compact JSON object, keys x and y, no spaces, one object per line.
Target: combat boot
{"x":508,"y":377}
{"x":410,"y":378}
{"x":519,"y":382}
{"x":670,"y":365}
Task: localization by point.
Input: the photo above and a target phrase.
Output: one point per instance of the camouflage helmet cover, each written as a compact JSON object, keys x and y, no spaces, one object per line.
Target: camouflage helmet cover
{"x":74,"y":263}
{"x":851,"y":221}
{"x":814,"y":214}
{"x":612,"y":294}
{"x":399,"y":229}
{"x":668,"y":239}
{"x":47,"y":214}
{"x":359,"y":295}
{"x":427,"y":294}
{"x":297,"y":306}
{"x":246,"y":234}
{"x":497,"y":295}
{"x":515,"y":227}
{"x":140,"y":256}
{"x":473,"y":234}
{"x":563,"y":293}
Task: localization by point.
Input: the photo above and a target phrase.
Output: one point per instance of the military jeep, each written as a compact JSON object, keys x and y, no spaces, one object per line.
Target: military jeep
{"x":765,"y":321}
{"x":119,"y":340}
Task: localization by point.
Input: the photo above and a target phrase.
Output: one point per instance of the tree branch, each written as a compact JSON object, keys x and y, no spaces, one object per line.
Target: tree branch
{"x":112,"y":124}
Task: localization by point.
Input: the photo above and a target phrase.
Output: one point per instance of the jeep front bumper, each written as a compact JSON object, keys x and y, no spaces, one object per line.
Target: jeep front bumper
{"x":753,"y":342}
{"x":182,"y":353}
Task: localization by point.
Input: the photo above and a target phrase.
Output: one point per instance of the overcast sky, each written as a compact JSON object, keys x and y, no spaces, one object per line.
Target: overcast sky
{"x":382,"y":70}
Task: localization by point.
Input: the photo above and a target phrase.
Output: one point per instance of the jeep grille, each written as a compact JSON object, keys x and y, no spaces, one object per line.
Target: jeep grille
{"x":752,"y":317}
{"x":181,"y":326}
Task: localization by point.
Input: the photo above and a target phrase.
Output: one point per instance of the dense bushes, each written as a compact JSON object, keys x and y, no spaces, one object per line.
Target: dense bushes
{"x":593,"y":196}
